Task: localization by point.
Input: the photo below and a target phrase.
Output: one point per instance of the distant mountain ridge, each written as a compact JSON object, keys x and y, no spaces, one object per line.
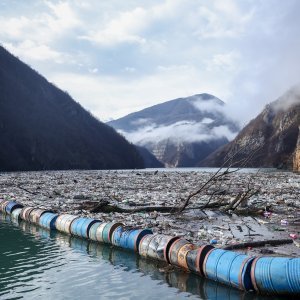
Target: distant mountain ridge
{"x":43,"y":128}
{"x":179,"y":132}
{"x":269,"y":140}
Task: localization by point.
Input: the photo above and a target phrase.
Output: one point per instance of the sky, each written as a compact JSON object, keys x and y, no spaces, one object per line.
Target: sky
{"x":116,"y":57}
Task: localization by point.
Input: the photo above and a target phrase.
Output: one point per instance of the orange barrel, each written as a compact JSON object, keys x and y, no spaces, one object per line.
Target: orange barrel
{"x":178,"y":252}
{"x":35,"y":215}
{"x":108,"y":230}
{"x":64,"y":221}
{"x":3,"y":205}
{"x":156,"y":246}
{"x":195,"y":259}
{"x":96,"y":232}
{"x":24,"y":215}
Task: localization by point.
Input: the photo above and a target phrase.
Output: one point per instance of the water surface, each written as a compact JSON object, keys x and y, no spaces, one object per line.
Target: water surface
{"x":38,"y":264}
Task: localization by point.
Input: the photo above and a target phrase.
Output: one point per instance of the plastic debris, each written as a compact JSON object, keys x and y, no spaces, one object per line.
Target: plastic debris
{"x":293,"y":235}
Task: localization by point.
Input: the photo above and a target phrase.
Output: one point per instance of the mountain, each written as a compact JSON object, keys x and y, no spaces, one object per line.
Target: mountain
{"x":180,"y":132}
{"x":150,"y":161}
{"x":296,"y":161}
{"x":269,"y":140}
{"x":43,"y":128}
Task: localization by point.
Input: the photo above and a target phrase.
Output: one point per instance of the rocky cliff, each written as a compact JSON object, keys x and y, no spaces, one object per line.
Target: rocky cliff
{"x":180,"y":132}
{"x":296,"y":162}
{"x":269,"y":140}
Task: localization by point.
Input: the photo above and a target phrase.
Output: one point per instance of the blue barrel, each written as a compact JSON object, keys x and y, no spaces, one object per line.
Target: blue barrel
{"x":229,"y":267}
{"x":48,"y":220}
{"x":108,"y":230}
{"x":276,"y":275}
{"x":11,"y":205}
{"x":81,"y":226}
{"x":129,"y":238}
{"x":15,"y":215}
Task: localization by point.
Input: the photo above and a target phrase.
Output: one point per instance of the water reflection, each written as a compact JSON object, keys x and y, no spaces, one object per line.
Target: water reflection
{"x":26,"y":254}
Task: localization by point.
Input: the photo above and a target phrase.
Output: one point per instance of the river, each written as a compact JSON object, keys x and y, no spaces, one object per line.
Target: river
{"x":38,"y":264}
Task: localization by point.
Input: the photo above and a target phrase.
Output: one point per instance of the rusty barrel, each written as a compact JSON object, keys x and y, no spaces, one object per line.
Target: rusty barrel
{"x":108,"y":230}
{"x":156,"y":246}
{"x":15,"y":215}
{"x":178,"y":252}
{"x":195,"y":258}
{"x":81,"y":226}
{"x":229,"y":267}
{"x":276,"y":275}
{"x":64,"y":221}
{"x":3,"y":205}
{"x":11,"y":206}
{"x":96,"y":232}
{"x":35,"y":215}
{"x":129,"y":238}
{"x":24,"y":215}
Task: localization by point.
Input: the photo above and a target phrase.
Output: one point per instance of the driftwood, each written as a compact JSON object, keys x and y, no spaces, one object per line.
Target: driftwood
{"x":258,"y":244}
{"x":105,"y":207}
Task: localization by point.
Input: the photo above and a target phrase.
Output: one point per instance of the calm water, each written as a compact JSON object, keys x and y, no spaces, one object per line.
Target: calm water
{"x":37,"y":264}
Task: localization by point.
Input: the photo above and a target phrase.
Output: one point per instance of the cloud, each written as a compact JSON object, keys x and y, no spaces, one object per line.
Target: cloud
{"x":32,"y":51}
{"x":147,"y":52}
{"x":183,"y":131}
{"x":288,"y":99}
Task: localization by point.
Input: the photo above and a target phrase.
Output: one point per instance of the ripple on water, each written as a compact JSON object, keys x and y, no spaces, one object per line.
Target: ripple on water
{"x":38,"y":264}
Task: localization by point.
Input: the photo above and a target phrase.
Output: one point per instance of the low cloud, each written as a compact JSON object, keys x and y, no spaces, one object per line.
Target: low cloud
{"x":183,"y":131}
{"x":290,"y":98}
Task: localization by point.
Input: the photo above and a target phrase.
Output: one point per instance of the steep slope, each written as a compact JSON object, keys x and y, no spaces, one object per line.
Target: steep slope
{"x":296,"y":161}
{"x":42,"y":127}
{"x":179,"y":132}
{"x":150,"y":161}
{"x":267,"y":141}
